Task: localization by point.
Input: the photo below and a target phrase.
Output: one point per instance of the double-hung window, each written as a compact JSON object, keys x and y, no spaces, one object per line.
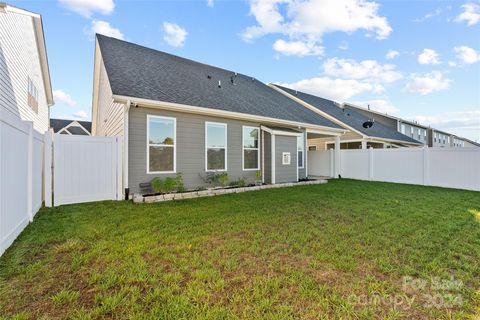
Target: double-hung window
{"x":161,"y":144}
{"x":215,"y":146}
{"x":251,"y":148}
{"x":300,"y":150}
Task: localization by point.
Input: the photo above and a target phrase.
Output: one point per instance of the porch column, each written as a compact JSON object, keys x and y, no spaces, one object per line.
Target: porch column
{"x":272,"y":156}
{"x":364,"y":144}
{"x":336,"y":167}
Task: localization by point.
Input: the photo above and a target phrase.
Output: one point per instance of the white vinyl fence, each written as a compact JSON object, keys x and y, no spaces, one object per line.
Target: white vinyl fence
{"x":443,"y":167}
{"x":85,"y":169}
{"x":21,"y":161}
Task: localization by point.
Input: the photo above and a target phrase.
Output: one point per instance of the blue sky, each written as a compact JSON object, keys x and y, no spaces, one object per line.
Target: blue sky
{"x":414,"y":59}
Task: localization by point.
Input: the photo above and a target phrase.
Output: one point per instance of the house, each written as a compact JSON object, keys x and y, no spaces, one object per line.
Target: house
{"x":428,"y":136}
{"x":71,"y":127}
{"x":181,"y":116}
{"x":364,"y":132}
{"x":24,"y":74}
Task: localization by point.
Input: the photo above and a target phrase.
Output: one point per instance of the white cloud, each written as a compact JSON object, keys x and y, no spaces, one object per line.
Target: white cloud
{"x":80,"y":115}
{"x":470,"y":14}
{"x":343,"y":45}
{"x":297,"y":48}
{"x":428,"y":56}
{"x":210,"y":3}
{"x":392,"y":54}
{"x":380,"y":105}
{"x":467,"y":55}
{"x":429,"y":15}
{"x":174,"y":34}
{"x":335,"y":89}
{"x":307,"y":21}
{"x":87,"y":7}
{"x":103,"y":27}
{"x":427,"y":83}
{"x":368,"y":70}
{"x":60,"y":96}
{"x":463,"y":123}
{"x":452,"y":63}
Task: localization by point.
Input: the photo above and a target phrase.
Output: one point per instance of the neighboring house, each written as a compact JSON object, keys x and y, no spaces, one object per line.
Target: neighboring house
{"x":411,"y":129}
{"x":71,"y":127}
{"x":24,"y":75}
{"x":180,"y":116}
{"x":428,"y":136}
{"x":363,"y":132}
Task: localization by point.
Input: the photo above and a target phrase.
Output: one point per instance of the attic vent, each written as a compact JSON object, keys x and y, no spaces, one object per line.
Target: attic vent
{"x":209,"y":76}
{"x":296,"y":92}
{"x":219,"y":83}
{"x":253,"y":79}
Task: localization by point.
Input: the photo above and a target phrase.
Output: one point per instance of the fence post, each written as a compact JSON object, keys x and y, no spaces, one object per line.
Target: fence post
{"x":426,"y":167}
{"x":47,"y":163}
{"x":370,"y":164}
{"x":332,"y":163}
{"x":30,"y":172}
{"x":119,"y":150}
{"x":337,"y":157}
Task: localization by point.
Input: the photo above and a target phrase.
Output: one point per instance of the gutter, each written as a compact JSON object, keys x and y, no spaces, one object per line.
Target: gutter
{"x":221,"y":113}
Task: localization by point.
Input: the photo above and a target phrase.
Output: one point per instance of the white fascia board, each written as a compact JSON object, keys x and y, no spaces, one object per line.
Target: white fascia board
{"x":221,"y":113}
{"x":316,"y":110}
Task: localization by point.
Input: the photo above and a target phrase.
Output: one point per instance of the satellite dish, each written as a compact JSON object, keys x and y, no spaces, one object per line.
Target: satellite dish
{"x":368,"y":124}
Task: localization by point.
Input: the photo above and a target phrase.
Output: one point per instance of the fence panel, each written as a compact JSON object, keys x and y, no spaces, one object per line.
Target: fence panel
{"x":459,"y":169}
{"x":444,"y":167}
{"x":319,"y":163}
{"x":354,"y":164}
{"x":85,"y":168}
{"x":20,"y":183}
{"x":397,"y":165}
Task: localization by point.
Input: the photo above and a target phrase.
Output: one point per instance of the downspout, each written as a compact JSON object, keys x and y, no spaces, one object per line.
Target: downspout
{"x":125,"y":149}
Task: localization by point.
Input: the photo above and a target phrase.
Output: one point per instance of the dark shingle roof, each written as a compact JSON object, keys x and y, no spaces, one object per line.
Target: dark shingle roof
{"x":59,"y":124}
{"x":350,"y":117}
{"x":140,"y":72}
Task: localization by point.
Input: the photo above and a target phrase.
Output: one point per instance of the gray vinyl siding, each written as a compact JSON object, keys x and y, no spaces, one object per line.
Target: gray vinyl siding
{"x":285,"y":173}
{"x":267,"y":153}
{"x":109,"y":120}
{"x":408,"y":132}
{"x":19,"y":60}
{"x":190,"y":147}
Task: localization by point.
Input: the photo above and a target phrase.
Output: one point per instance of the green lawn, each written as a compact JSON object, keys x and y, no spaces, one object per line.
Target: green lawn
{"x":344,"y":250}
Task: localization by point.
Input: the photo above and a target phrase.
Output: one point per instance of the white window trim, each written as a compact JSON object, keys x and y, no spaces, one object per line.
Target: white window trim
{"x":150,"y":116}
{"x":258,"y":149}
{"x":303,"y":152}
{"x":206,"y":146}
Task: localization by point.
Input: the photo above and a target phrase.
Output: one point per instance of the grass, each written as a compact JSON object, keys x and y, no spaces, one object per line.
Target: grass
{"x":344,"y":250}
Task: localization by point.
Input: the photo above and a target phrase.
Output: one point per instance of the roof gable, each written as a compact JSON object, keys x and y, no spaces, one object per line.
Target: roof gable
{"x":349,"y":117}
{"x":140,"y":72}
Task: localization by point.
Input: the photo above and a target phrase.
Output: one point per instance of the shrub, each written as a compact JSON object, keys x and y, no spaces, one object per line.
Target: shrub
{"x":258,"y":174}
{"x":170,"y":184}
{"x":157,"y":185}
{"x":179,"y":181}
{"x":221,"y":178}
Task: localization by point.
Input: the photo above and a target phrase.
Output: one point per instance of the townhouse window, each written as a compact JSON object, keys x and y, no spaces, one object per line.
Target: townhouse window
{"x":251,"y":148}
{"x":300,"y":151}
{"x":161,"y":144}
{"x":215,"y":146}
{"x":419,"y":133}
{"x":411,"y":131}
{"x":32,"y":96}
{"x":403,"y":128}
{"x":312,"y":148}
